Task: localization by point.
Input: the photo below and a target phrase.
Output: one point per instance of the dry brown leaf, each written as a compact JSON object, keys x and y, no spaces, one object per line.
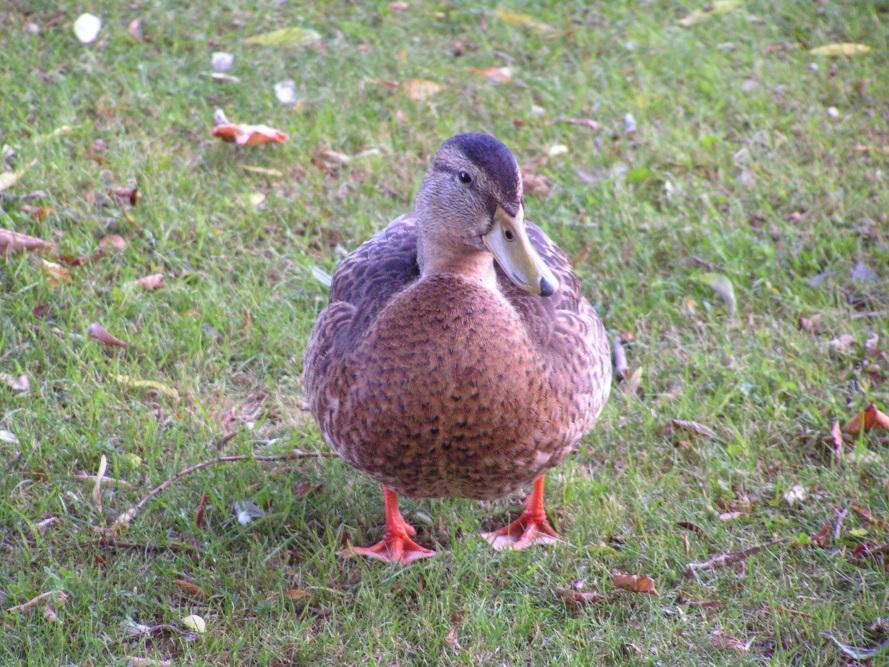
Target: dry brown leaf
{"x":635,"y":583}
{"x":421,"y":89}
{"x":730,"y":516}
{"x":248,"y":135}
{"x":836,"y":438}
{"x":113,"y":242}
{"x":38,"y":213}
{"x":18,"y":384}
{"x":101,"y":334}
{"x":576,"y":599}
{"x":868,"y":517}
{"x":634,"y":380}
{"x":135,"y":29}
{"x":866,"y":420}
{"x":97,"y":488}
{"x":296,"y":594}
{"x":11,"y":242}
{"x":497,"y":75}
{"x":534,"y":184}
{"x":151,"y":282}
{"x":720,"y":640}
{"x":128,"y":195}
{"x":811,"y":325}
{"x":189,"y":588}
{"x":57,"y":274}
{"x":822,"y":537}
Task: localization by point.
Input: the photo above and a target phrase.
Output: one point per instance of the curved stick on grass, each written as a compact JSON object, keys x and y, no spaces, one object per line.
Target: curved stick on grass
{"x":122,"y":522}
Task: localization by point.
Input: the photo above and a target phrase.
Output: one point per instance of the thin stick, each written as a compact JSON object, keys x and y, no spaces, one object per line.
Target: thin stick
{"x":123,"y":521}
{"x":725,"y":559}
{"x":60,"y":594}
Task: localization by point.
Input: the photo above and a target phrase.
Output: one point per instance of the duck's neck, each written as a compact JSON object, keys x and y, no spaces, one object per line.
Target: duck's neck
{"x":437,"y":255}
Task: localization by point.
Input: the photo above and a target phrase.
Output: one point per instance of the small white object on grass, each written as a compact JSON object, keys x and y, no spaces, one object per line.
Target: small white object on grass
{"x":87,"y":28}
{"x":629,"y":123}
{"x":285,"y":91}
{"x":221,"y":61}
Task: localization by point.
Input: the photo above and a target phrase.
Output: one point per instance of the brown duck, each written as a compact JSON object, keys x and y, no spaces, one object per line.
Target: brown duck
{"x":457,"y":356}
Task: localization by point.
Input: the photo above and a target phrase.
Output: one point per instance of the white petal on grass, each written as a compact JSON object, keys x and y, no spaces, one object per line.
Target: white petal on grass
{"x":87,"y":28}
{"x":321,"y":276}
{"x":246,"y":511}
{"x":221,"y":61}
{"x":285,"y":91}
{"x":8,"y":436}
{"x":629,"y":123}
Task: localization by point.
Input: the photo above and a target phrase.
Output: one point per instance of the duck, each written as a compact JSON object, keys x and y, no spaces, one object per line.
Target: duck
{"x":457,"y":356}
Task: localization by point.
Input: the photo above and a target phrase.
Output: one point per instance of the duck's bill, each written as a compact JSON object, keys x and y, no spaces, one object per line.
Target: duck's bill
{"x":508,"y":241}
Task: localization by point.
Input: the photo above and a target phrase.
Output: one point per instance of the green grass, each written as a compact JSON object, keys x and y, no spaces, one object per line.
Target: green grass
{"x":732,"y":139}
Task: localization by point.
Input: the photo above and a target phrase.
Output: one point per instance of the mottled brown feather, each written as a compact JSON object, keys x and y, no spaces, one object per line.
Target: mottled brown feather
{"x":442,"y":387}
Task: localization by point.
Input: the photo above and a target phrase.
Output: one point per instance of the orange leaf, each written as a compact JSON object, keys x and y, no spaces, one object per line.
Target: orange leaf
{"x":189,"y":588}
{"x":248,"y":135}
{"x":151,"y":282}
{"x":635,"y":583}
{"x":99,"y":332}
{"x":493,"y":74}
{"x":57,"y":274}
{"x":866,"y":420}
{"x":11,"y":242}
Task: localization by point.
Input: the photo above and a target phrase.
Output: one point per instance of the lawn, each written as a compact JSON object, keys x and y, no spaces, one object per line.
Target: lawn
{"x":717,"y":153}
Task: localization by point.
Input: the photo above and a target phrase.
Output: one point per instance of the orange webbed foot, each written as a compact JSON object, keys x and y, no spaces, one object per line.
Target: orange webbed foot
{"x":397,"y":545}
{"x":532,"y":527}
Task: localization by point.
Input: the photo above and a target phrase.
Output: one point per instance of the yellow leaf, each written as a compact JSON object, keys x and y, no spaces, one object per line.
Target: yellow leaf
{"x":522,"y":21}
{"x":136,"y":383}
{"x":718,"y":7}
{"x":265,"y":171}
{"x":56,"y":273}
{"x":840,"y":49}
{"x":420,"y":89}
{"x":293,"y":36}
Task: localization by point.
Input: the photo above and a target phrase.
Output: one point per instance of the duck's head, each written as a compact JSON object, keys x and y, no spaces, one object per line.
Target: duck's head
{"x":471,"y":203}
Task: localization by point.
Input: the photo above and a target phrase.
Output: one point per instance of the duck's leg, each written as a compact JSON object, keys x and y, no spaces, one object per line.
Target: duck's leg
{"x":532,"y":526}
{"x":396,"y":545}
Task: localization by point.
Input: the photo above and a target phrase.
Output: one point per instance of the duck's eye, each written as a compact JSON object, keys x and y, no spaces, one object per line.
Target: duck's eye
{"x":464,"y":177}
{"x":508,"y":234}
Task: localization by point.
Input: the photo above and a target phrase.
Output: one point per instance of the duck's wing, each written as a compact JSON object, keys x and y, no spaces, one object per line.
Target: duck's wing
{"x":565,"y":328}
{"x":362,"y":286}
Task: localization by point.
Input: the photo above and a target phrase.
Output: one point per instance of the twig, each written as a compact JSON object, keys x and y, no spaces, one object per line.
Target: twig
{"x":58,"y":594}
{"x":123,"y":521}
{"x":722,"y":560}
{"x":106,"y":481}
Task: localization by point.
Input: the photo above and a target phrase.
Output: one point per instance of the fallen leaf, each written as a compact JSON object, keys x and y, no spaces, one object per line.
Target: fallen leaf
{"x":699,"y":15}
{"x":137,"y":383}
{"x":246,"y":511}
{"x":101,"y":334}
{"x":822,"y":537}
{"x":127,"y":194}
{"x":87,"y":28}
{"x":730,"y":516}
{"x":868,"y":517}
{"x":151,"y":282}
{"x":633,"y":381}
{"x":811,"y":325}
{"x":867,"y":419}
{"x":635,"y":583}
{"x":49,"y":613}
{"x":498,"y":75}
{"x":248,"y":135}
{"x":329,"y":159}
{"x":629,"y":124}
{"x":38,"y":213}
{"x":618,"y":355}
{"x":296,"y":594}
{"x":57,"y":274}
{"x":720,"y":640}
{"x":723,"y":287}
{"x":285,"y":91}
{"x":202,"y":507}
{"x":11,"y":242}
{"x":730,"y":558}
{"x":862,"y":273}
{"x":8,"y":436}
{"x":265,"y":171}
{"x":189,"y":588}
{"x":399,"y":6}
{"x":796,"y":494}
{"x":534,"y":184}
{"x":19,"y":385}
{"x":576,"y":599}
{"x":135,"y":29}
{"x":842,"y":344}
{"x":839,"y":49}
{"x":836,"y":438}
{"x":421,"y":89}
{"x":292,"y":36}
{"x":859,"y":653}
{"x":523,"y":21}
{"x":196,"y":623}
